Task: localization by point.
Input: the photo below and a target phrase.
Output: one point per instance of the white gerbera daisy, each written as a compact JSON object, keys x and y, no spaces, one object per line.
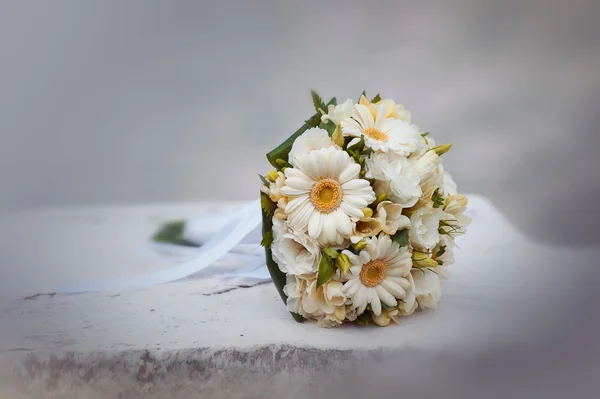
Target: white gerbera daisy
{"x":310,"y":140}
{"x":381,"y":133}
{"x":325,"y":195}
{"x":378,"y":274}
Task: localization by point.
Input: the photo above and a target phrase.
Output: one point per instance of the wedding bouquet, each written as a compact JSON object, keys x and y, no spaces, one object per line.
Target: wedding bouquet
{"x":359,"y":215}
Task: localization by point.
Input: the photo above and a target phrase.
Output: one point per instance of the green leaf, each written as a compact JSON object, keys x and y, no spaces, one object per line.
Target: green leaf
{"x":268,"y":206}
{"x":363,"y":319}
{"x":364,"y":93}
{"x":317,"y":101}
{"x":329,"y":127}
{"x":425,"y":134}
{"x":401,"y":237}
{"x":172,"y":233}
{"x":437,"y":199}
{"x":267,"y":239}
{"x":441,"y":251}
{"x":326,"y":270}
{"x":376,"y":99}
{"x":265,"y":181}
{"x":282,"y":164}
{"x":282,"y":151}
{"x":355,"y":149}
{"x":279,"y":278}
{"x":367,"y":152}
{"x":332,"y":253}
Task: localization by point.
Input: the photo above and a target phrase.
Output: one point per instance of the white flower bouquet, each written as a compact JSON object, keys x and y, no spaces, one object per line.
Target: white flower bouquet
{"x":359,"y":215}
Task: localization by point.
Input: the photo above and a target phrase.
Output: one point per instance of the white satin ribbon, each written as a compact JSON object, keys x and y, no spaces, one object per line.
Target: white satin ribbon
{"x":214,"y":249}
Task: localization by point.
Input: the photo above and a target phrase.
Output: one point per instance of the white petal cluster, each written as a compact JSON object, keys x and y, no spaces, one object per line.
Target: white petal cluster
{"x":364,"y":216}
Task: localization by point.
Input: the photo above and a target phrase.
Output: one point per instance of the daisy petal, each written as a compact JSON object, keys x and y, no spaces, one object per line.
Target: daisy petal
{"x":315,"y":224}
{"x":351,"y":172}
{"x":392,"y":288}
{"x":344,"y":225}
{"x":375,"y":303}
{"x":385,"y":296}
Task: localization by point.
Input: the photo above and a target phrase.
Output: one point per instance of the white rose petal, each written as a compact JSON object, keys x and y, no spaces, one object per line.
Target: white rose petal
{"x":295,"y":253}
{"x":310,"y":140}
{"x":425,"y":222}
{"x":428,"y":288}
{"x":395,"y":177}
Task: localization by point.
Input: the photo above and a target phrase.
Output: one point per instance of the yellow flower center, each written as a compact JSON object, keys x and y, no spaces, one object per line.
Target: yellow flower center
{"x":326,"y":195}
{"x":372,"y":273}
{"x":376,"y":134}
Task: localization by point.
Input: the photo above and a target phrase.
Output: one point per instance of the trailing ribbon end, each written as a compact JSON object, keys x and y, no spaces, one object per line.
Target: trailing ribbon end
{"x":219,"y":245}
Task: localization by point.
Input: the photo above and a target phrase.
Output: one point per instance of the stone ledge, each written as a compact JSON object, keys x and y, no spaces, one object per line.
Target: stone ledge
{"x":270,"y":371}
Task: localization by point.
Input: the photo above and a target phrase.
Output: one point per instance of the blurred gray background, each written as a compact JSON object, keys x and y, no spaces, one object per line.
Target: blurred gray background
{"x":107,"y":102}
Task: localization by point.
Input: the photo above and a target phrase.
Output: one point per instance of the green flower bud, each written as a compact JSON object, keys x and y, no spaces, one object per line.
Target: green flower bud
{"x":442,"y":149}
{"x":422,"y":259}
{"x":360,"y":245}
{"x":337,"y":137}
{"x":343,"y":263}
{"x":272,"y":176}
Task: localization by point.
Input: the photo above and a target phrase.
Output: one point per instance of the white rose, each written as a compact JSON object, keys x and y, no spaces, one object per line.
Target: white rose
{"x":428,"y":287}
{"x":295,"y":253}
{"x":310,"y":140}
{"x":423,"y":144}
{"x":294,"y":289}
{"x":424,"y":234}
{"x":448,"y":186}
{"x":427,"y":168}
{"x":395,"y":177}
